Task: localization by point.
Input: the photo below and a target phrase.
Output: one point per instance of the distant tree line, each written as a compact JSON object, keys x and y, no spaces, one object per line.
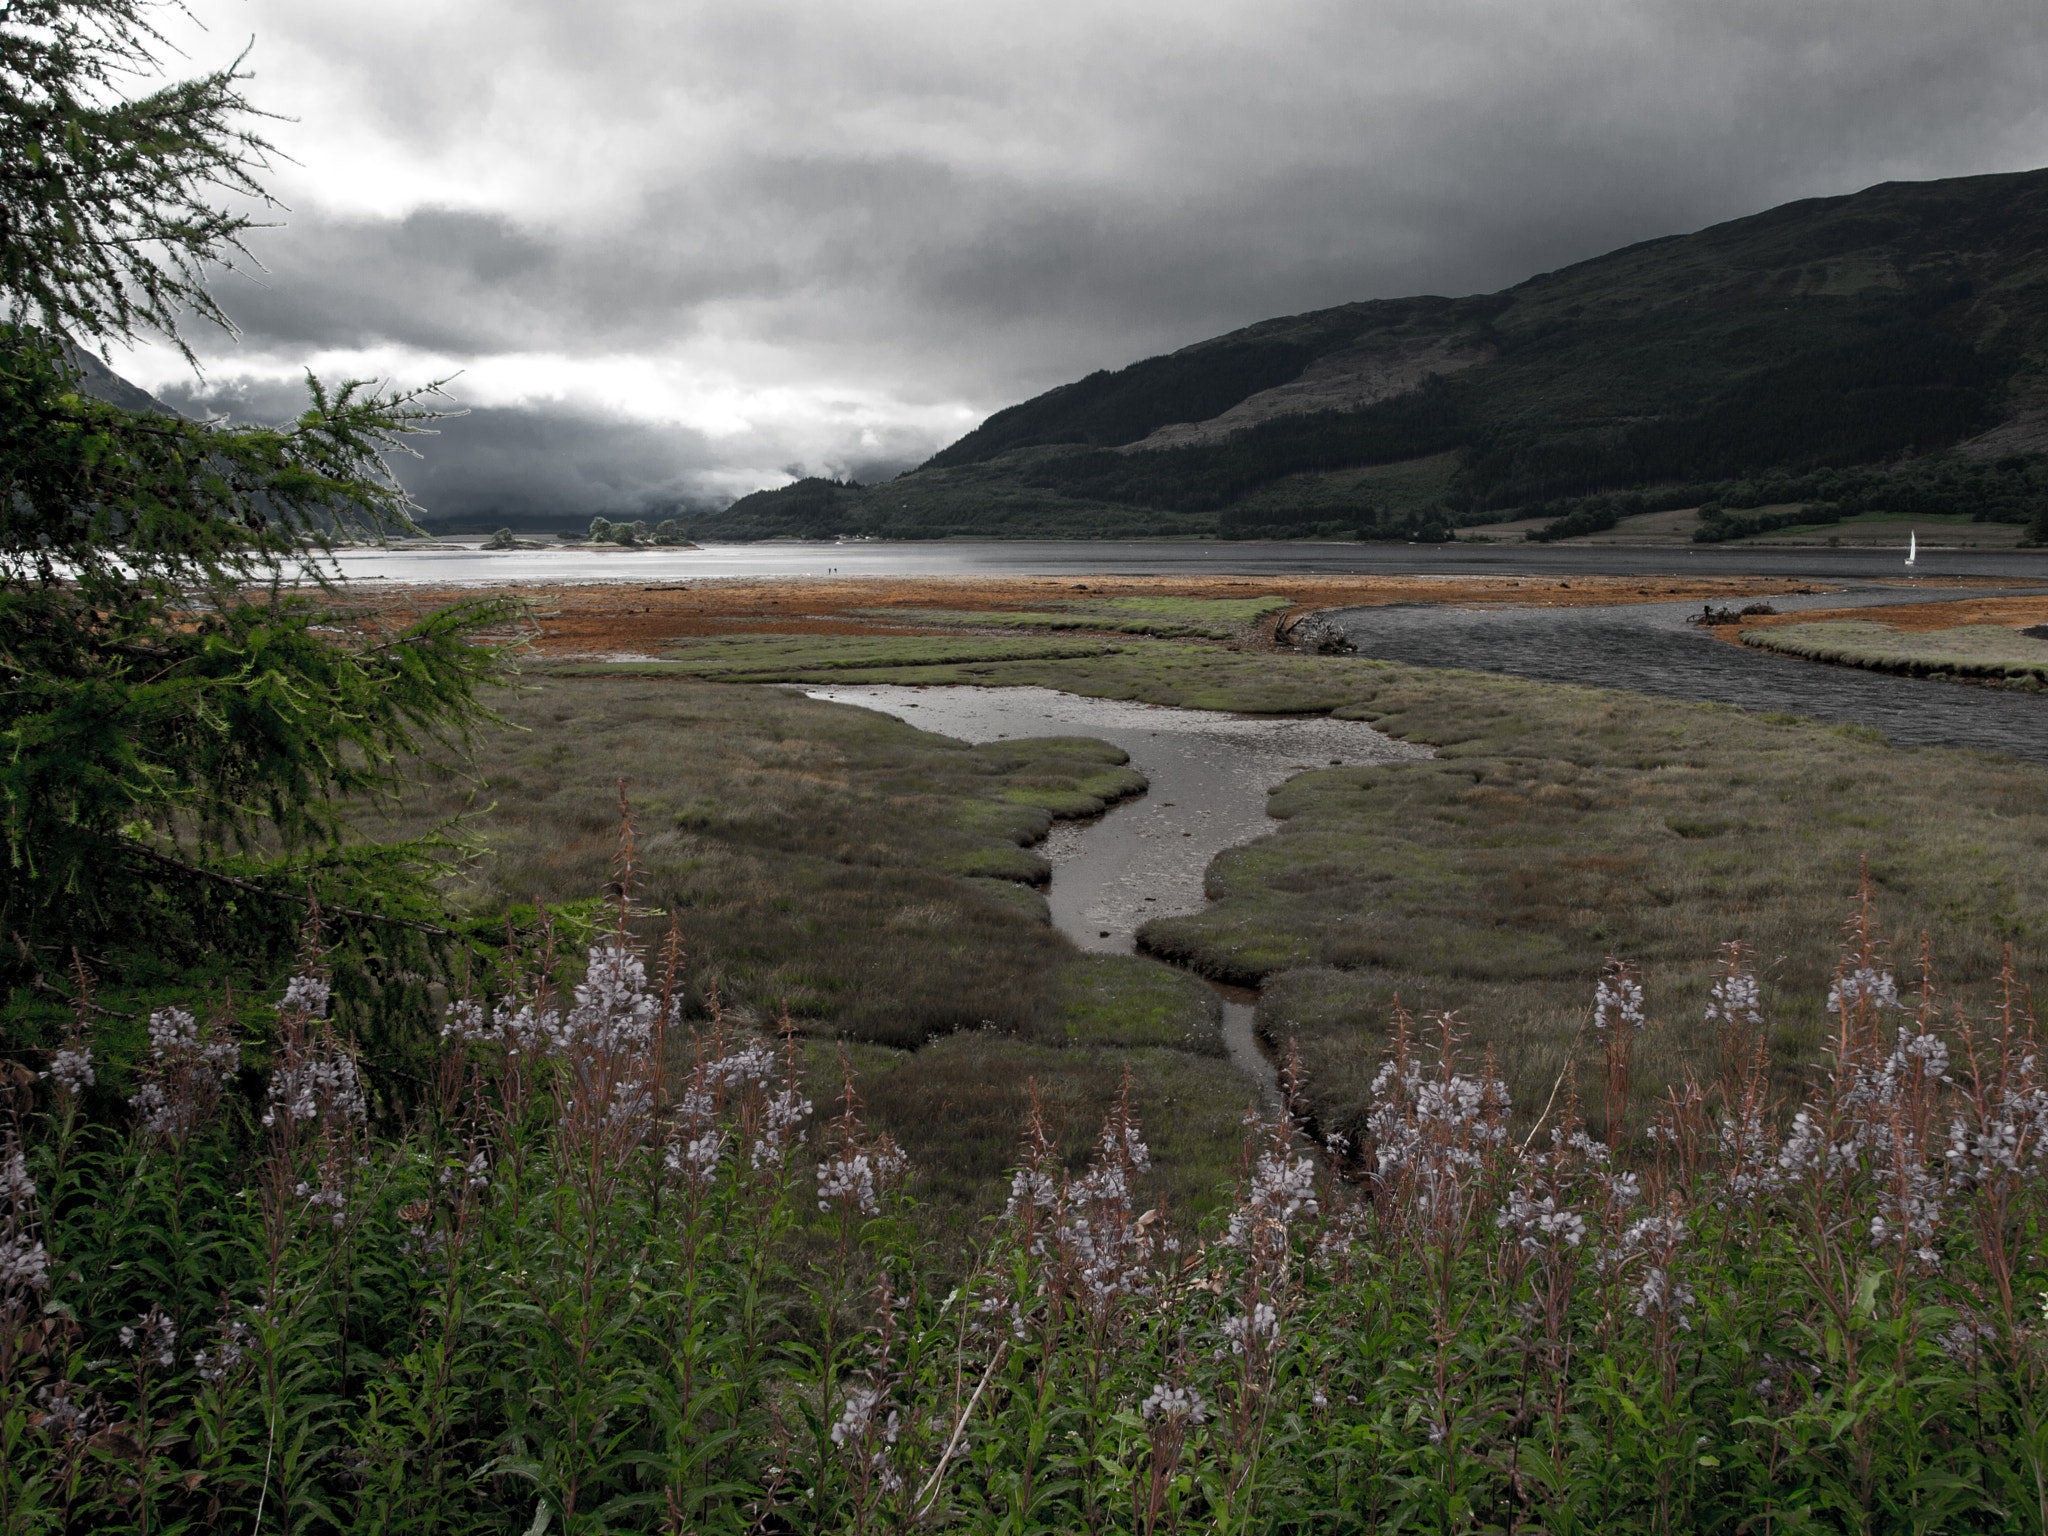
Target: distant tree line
{"x":2008,"y":490}
{"x":1907,"y":388}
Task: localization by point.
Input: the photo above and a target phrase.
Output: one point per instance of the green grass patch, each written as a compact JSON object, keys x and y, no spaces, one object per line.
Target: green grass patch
{"x":1114,"y":623}
{"x":791,"y":658}
{"x":1989,"y":651}
{"x":808,"y":850}
{"x":1131,"y":1001}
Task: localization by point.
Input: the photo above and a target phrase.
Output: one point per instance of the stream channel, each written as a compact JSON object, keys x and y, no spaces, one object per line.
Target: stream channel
{"x":1210,"y":774}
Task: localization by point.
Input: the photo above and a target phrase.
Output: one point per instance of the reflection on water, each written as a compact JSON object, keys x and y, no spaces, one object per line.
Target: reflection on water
{"x":1651,"y":649}
{"x":1209,"y":773}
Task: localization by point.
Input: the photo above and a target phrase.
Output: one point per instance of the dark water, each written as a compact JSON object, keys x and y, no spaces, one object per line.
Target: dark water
{"x":1053,"y":557}
{"x":1651,"y":649}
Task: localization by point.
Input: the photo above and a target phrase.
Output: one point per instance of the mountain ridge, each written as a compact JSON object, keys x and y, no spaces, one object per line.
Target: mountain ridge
{"x":1902,"y":323}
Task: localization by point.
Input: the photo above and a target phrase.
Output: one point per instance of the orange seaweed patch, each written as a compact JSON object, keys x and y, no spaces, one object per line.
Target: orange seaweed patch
{"x":1918,"y":618}
{"x":611,"y":616}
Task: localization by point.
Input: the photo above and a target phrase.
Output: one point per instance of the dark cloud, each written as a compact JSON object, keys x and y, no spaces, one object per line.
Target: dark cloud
{"x":553,"y":466}
{"x":917,"y":208}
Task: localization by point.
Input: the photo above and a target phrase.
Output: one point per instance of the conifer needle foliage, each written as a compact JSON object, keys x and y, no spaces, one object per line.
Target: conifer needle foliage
{"x":178,"y":681}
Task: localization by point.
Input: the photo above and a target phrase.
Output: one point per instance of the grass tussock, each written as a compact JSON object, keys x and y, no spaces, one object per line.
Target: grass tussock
{"x":1986,"y":651}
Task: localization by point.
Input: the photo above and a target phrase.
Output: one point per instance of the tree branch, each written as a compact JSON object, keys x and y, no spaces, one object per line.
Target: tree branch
{"x":305,"y":901}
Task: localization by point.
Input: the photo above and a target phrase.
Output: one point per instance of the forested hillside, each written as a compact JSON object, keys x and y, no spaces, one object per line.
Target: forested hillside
{"x":1903,"y":325}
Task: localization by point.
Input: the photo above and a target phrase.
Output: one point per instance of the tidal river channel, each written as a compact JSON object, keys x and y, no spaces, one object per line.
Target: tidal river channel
{"x":1210,"y":775}
{"x":1650,"y":648}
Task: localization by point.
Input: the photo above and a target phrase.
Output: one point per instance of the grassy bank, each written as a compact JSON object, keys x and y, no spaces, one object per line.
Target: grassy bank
{"x":1555,"y":827}
{"x":1987,"y":652}
{"x":873,"y":880}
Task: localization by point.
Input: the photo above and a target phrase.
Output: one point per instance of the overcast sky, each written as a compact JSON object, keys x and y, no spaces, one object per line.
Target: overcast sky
{"x":685,"y":250}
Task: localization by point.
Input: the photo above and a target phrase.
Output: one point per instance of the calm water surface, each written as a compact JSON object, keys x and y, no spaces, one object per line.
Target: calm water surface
{"x":1650,"y":648}
{"x":472,"y":565}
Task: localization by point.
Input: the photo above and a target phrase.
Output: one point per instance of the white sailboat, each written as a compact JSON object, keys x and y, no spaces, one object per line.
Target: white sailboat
{"x":1912,"y":548}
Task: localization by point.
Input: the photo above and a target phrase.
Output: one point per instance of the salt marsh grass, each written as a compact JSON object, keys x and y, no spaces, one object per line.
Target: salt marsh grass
{"x":1557,"y":826}
{"x":869,"y":880}
{"x":1988,"y":652}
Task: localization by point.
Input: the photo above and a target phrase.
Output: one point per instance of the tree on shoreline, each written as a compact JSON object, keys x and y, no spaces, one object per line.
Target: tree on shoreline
{"x":185,"y":699}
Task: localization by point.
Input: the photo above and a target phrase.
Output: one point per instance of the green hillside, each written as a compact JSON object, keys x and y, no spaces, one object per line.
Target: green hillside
{"x":1846,"y":333}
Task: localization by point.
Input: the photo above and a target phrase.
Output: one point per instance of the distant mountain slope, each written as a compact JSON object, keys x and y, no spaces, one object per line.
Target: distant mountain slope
{"x":1860,"y":330}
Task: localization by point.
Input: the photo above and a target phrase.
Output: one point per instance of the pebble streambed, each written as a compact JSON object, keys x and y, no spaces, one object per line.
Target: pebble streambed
{"x":1210,"y":774}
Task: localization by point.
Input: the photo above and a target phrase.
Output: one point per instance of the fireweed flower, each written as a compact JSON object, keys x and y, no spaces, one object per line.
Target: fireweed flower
{"x":71,"y":1067}
{"x":1103,"y":1251}
{"x":59,"y":1413}
{"x":323,"y":1197}
{"x":1256,"y":1330}
{"x":1282,"y":1190}
{"x":1181,"y":1404}
{"x":1736,"y":1000}
{"x":1434,"y":1134}
{"x":153,"y":1336}
{"x":232,"y":1340}
{"x":189,"y":1065}
{"x":24,"y":1264}
{"x":694,"y":1157}
{"x":1539,"y":1222}
{"x":850,"y":1179}
{"x":1618,"y":1000}
{"x":15,"y":1183}
{"x":1659,"y":1292}
{"x":862,"y":1430}
{"x":786,"y":1111}
{"x":322,"y":1082}
{"x":754,"y":1064}
{"x":1865,"y":982}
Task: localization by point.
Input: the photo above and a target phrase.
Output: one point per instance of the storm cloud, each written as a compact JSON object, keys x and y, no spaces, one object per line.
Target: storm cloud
{"x":684,"y":251}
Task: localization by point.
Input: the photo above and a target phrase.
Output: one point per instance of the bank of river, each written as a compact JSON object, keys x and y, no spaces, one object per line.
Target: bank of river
{"x":1209,"y":773}
{"x":1650,"y":648}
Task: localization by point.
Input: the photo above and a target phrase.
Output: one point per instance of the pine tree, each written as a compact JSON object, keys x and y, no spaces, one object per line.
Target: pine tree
{"x":187,"y":707}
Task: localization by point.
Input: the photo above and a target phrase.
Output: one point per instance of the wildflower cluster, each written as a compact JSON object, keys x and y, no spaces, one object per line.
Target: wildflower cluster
{"x":190,"y":1063}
